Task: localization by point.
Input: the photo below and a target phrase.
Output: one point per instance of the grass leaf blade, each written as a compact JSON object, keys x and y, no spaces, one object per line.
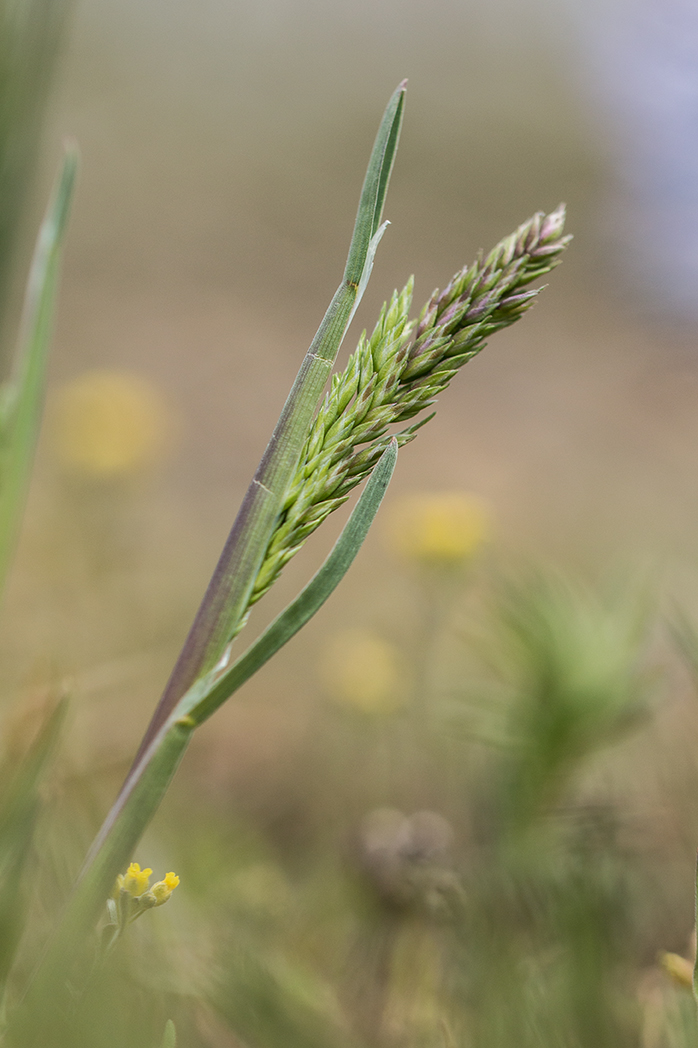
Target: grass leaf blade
{"x":375,"y":187}
{"x":22,"y":398}
{"x":19,"y":810}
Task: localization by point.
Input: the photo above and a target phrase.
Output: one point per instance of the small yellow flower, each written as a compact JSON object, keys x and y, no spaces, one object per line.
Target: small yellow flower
{"x":163,"y":889}
{"x":444,"y":528}
{"x":135,"y":881}
{"x":131,"y":897}
{"x":110,"y":424}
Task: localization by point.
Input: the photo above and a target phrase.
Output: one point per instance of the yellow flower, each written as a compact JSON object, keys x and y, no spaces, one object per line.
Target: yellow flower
{"x":110,"y":424}
{"x":363,"y":671}
{"x":444,"y":528}
{"x":135,"y":880}
{"x":677,"y":968}
{"x":131,"y":896}
{"x":163,"y":889}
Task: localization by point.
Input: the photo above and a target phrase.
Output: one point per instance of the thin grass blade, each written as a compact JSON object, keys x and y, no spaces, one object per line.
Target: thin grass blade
{"x":22,"y":398}
{"x":19,"y":810}
{"x":31,"y":34}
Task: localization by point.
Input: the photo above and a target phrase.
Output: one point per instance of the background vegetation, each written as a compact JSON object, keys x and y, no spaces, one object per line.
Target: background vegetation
{"x":461,"y":808}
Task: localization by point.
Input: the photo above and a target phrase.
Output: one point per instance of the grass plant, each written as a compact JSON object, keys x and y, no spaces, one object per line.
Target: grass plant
{"x":524,"y":937}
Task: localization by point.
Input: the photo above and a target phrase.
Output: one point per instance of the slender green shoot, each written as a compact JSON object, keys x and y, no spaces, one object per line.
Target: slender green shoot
{"x":22,"y":397}
{"x":19,"y":809}
{"x":695,"y":964}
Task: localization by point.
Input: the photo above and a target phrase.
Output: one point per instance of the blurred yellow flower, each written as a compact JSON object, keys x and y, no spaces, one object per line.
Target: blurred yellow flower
{"x":110,"y":424}
{"x":443,"y":528}
{"x":677,"y":968}
{"x":361,"y":670}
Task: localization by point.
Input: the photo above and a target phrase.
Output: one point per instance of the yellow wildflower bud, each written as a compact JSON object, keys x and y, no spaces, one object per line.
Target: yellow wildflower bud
{"x":163,"y":889}
{"x":135,"y":880}
{"x":677,"y":968}
{"x":444,"y":528}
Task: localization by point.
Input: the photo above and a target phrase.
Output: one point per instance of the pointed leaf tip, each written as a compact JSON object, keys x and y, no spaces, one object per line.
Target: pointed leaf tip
{"x":375,"y":185}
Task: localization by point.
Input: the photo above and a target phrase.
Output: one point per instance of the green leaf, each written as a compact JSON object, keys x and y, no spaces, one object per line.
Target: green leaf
{"x":375,"y":187}
{"x":134,"y":808}
{"x":22,"y":397}
{"x":31,"y":35}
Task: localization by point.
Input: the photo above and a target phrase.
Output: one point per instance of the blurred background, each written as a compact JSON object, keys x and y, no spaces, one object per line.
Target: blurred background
{"x":223,"y":146}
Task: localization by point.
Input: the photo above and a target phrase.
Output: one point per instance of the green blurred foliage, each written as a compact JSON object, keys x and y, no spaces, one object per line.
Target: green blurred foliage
{"x":31,"y":32}
{"x":508,"y":909}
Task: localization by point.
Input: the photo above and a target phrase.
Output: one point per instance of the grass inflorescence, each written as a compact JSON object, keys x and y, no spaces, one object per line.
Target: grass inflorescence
{"x":396,"y":373}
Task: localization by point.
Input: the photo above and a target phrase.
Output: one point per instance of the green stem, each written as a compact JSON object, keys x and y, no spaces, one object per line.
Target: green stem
{"x":695,"y":965}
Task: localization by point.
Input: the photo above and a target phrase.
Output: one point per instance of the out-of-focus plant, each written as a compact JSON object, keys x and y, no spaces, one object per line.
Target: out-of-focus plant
{"x":22,"y":394}
{"x":29,"y":34}
{"x":524,"y":935}
{"x":30,"y":38}
{"x":578,"y":665}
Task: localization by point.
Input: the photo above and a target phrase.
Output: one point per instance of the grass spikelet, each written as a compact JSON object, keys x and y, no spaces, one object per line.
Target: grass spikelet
{"x":398,"y":372}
